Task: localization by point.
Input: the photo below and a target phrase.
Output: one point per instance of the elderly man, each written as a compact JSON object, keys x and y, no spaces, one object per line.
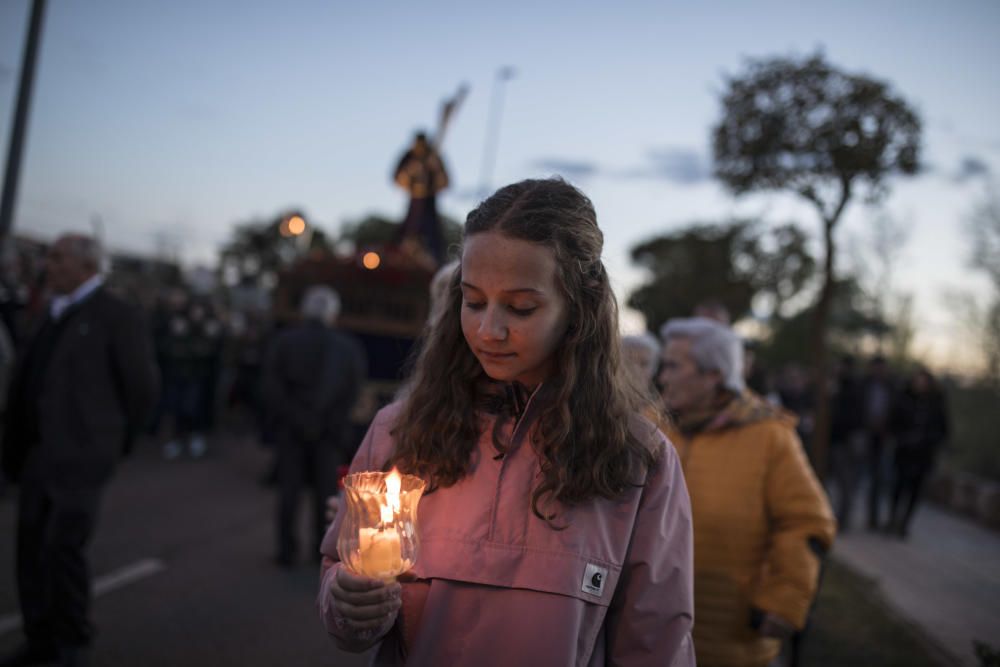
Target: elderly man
{"x":312,"y":377}
{"x":761,"y":519}
{"x":85,"y":385}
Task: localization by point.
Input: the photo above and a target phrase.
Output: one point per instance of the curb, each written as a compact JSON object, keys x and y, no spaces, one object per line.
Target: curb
{"x":967,"y":494}
{"x":876,"y":594}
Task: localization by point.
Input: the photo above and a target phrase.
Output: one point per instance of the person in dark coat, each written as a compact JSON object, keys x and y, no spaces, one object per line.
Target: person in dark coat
{"x":847,"y":439}
{"x":878,"y":393}
{"x":312,"y":378}
{"x":920,"y":424}
{"x":82,"y":390}
{"x":191,"y":351}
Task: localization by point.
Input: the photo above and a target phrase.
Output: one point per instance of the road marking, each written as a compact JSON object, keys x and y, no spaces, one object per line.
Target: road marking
{"x":129,"y":574}
{"x":9,"y":623}
{"x":120,"y":578}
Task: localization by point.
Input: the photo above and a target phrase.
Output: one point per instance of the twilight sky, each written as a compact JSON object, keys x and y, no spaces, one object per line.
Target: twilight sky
{"x":170,"y":121}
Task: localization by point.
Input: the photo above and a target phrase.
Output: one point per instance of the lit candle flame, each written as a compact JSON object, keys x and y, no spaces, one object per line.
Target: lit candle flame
{"x":393,"y":482}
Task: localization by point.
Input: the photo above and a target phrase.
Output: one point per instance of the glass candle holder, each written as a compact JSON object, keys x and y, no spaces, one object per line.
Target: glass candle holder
{"x":379,"y":535}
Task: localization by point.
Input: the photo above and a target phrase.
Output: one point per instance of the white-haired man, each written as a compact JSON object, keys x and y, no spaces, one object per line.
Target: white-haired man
{"x":85,"y":385}
{"x":312,"y":377}
{"x":761,"y":519}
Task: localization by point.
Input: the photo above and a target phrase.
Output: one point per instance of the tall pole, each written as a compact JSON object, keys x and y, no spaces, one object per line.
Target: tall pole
{"x":493,"y":130}
{"x":19,"y":128}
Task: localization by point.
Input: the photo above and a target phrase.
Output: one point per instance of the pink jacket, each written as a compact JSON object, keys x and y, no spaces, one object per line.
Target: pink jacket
{"x":496,"y":585}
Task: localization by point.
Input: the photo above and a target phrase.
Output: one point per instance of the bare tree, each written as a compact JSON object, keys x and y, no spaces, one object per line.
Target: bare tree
{"x":984,"y":232}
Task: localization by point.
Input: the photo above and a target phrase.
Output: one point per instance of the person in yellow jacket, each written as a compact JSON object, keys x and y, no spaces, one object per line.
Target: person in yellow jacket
{"x":761,"y":519}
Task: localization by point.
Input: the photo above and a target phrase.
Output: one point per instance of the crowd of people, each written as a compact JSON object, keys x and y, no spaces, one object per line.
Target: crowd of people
{"x":878,"y":418}
{"x":591,"y":499}
{"x":86,"y":373}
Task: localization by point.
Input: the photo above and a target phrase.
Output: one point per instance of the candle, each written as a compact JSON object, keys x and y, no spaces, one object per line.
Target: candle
{"x":380,"y":552}
{"x":378,"y":537}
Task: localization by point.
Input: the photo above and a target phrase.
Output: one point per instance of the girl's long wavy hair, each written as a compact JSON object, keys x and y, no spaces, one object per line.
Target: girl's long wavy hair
{"x":582,"y":435}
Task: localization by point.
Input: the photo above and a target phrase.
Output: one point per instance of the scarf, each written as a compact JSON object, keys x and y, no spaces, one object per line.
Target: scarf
{"x":506,"y":400}
{"x":729,"y":410}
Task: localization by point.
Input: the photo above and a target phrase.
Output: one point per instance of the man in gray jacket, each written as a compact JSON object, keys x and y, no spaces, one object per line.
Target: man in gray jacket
{"x":83,"y":388}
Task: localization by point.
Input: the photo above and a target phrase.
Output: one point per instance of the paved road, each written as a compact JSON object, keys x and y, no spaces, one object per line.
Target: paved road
{"x":188,"y":545}
{"x":945,"y":578}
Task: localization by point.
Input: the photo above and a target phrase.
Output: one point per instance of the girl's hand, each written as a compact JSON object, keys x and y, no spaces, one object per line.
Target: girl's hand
{"x":368,"y":606}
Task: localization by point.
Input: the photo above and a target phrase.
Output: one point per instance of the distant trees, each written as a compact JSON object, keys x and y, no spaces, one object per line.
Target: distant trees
{"x":732,"y":262}
{"x":804,"y":127}
{"x":851,"y":319}
{"x":984,"y":232}
{"x":878,"y":254}
{"x":376,"y":229}
{"x":258,"y":249}
{"x":373,"y":229}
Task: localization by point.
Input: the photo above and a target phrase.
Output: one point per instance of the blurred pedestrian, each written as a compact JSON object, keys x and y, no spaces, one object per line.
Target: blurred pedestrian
{"x":847,"y":439}
{"x":641,"y":355}
{"x":15,"y":291}
{"x":246,"y":350}
{"x":83,"y":389}
{"x":440,"y":284}
{"x":312,"y":377}
{"x":762,"y":523}
{"x":758,"y":378}
{"x":190,"y":358}
{"x":557,"y":528}
{"x":795,"y":393}
{"x":878,"y":391}
{"x":920,"y":424}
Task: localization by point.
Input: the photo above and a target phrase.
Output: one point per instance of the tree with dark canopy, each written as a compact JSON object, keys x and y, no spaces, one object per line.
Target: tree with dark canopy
{"x":259,"y":248}
{"x":730,"y":263}
{"x":376,"y":229}
{"x":806,"y":127}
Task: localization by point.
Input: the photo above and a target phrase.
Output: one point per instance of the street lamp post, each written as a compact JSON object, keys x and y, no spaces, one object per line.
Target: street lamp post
{"x":503,"y":75}
{"x":19,"y":128}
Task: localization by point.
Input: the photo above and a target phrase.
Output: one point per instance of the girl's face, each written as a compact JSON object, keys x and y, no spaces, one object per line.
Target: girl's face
{"x":514,"y":314}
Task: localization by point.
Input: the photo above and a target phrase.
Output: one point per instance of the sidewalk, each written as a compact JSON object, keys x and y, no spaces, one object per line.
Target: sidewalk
{"x":945,"y":578}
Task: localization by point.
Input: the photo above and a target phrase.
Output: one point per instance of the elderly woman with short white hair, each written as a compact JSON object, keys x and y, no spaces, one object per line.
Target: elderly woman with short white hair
{"x":761,"y":518}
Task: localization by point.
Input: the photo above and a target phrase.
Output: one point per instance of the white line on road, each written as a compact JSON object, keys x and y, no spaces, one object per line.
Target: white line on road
{"x":129,"y":574}
{"x":9,"y":623}
{"x":120,"y":578}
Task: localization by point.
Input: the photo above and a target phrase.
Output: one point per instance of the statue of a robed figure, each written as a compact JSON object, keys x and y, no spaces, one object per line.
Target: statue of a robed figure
{"x":422,"y":173}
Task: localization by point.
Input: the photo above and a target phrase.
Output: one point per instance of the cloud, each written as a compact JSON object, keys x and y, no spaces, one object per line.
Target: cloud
{"x":969,"y":168}
{"x":468,"y":194}
{"x":683,"y":166}
{"x":574,"y":169}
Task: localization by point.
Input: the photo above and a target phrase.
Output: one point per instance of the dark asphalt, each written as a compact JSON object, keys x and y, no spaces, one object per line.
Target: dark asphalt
{"x":219,"y":600}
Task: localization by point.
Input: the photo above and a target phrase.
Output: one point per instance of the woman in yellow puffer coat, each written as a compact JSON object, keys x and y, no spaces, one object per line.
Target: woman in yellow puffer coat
{"x":761,"y":519}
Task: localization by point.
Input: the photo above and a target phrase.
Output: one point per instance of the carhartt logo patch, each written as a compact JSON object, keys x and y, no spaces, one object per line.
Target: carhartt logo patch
{"x":593,"y":579}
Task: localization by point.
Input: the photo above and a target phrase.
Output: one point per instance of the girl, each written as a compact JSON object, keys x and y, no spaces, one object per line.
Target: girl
{"x":556,"y":529}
